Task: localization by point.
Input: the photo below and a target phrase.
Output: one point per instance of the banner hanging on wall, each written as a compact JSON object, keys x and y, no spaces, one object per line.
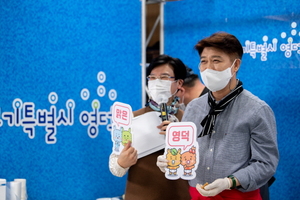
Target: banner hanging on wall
{"x":28,"y":116}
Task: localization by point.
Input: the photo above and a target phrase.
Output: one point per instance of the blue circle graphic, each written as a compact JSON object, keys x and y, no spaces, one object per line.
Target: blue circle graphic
{"x":112,"y":95}
{"x":85,"y":94}
{"x":53,"y":98}
{"x":101,"y":91}
{"x":101,"y":77}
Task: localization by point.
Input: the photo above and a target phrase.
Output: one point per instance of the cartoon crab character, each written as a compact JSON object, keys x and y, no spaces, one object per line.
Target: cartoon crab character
{"x":188,"y":160}
{"x":173,"y":156}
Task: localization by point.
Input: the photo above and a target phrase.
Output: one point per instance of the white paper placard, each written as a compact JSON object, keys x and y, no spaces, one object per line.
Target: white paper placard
{"x":146,"y":137}
{"x":182,"y":150}
{"x":121,"y":126}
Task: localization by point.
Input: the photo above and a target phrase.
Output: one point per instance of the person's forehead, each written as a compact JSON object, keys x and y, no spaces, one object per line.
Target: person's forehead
{"x":163,"y":69}
{"x":213,"y":52}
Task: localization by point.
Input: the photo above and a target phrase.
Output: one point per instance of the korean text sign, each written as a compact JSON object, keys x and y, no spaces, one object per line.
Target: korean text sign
{"x":181,"y":150}
{"x":121,"y":132}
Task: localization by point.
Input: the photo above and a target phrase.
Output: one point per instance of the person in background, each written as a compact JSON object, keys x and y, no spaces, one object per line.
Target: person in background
{"x":192,"y":88}
{"x":237,"y":136}
{"x":165,"y":75}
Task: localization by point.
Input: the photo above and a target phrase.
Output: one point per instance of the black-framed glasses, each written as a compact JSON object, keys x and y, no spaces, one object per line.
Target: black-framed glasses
{"x":161,"y":77}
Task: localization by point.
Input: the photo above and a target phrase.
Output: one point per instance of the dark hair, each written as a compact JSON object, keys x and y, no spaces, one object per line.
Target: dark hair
{"x":224,"y":41}
{"x":177,"y":65}
{"x":190,"y":79}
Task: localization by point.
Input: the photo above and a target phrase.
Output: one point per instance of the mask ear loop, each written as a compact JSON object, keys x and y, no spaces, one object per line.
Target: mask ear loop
{"x":148,"y":92}
{"x":232,"y":75}
{"x":182,"y":102}
{"x":176,"y":89}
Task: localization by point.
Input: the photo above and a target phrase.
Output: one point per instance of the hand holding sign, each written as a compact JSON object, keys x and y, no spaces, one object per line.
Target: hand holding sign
{"x":181,"y":150}
{"x":128,"y":156}
{"x":163,"y":126}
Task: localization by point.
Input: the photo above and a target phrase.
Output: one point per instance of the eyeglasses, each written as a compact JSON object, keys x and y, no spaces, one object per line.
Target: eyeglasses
{"x":161,"y":77}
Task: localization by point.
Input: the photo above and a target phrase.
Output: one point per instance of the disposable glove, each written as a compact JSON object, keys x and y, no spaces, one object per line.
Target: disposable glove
{"x":162,"y":163}
{"x":214,"y":188}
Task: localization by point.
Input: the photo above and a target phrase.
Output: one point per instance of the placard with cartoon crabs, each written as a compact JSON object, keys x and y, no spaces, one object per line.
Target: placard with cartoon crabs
{"x":181,"y":151}
{"x":121,"y":126}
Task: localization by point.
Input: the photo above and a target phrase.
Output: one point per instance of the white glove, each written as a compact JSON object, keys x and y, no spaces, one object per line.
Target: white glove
{"x":162,"y":163}
{"x":214,"y":188}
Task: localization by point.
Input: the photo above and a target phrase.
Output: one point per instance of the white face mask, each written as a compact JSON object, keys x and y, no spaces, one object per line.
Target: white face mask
{"x":216,"y":80}
{"x":182,"y":106}
{"x":160,"y":90}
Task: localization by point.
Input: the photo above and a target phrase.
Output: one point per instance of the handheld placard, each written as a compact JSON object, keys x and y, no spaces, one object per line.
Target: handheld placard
{"x":181,"y":151}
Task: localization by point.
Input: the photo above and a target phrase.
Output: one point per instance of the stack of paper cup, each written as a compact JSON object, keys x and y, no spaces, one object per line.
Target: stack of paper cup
{"x":23,"y":188}
{"x":13,"y":190}
{"x":2,"y":189}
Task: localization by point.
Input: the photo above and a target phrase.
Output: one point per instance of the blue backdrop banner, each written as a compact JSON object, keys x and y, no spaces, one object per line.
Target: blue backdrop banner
{"x":62,"y":66}
{"x":270,"y":34}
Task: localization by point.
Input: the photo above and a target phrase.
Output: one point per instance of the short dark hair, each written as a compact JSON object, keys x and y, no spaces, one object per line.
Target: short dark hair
{"x":177,"y":65}
{"x":190,"y":79}
{"x":221,"y":40}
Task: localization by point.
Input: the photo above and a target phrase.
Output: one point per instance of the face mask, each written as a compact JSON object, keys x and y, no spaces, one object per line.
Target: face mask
{"x":216,"y":80}
{"x":160,"y":90}
{"x":181,"y":106}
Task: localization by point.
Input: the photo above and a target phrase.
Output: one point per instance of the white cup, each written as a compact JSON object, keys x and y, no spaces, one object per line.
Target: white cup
{"x":2,"y":189}
{"x":13,"y":190}
{"x":23,"y":188}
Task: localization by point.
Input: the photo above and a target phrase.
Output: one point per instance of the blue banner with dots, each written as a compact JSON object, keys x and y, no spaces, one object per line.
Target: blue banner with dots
{"x":63,"y":64}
